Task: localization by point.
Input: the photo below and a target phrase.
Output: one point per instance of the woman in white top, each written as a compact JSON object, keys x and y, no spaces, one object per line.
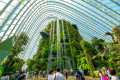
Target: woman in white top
{"x":51,"y":75}
{"x":58,"y":75}
{"x":113,"y":74}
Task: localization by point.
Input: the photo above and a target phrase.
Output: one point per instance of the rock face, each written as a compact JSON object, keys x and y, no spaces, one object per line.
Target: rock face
{"x":44,"y":34}
{"x":75,"y":26}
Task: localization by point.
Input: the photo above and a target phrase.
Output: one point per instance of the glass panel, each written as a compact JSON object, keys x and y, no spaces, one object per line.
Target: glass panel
{"x":1,"y":34}
{"x":9,"y":21}
{"x":5,"y":37}
{"x":14,"y":31}
{"x":11,"y":27}
{"x":8,"y":32}
{"x":9,"y":8}
{"x":2,"y":5}
{"x":14,"y":2}
{"x":11,"y":35}
{"x":6,"y":1}
{"x":4,"y":15}
{"x":5,"y":28}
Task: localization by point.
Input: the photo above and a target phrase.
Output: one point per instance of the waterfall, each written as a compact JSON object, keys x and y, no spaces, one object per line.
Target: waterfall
{"x":64,"y":46}
{"x":58,"y":45}
{"x":50,"y":52}
{"x":53,"y":30}
{"x":61,"y":46}
{"x":70,"y":45}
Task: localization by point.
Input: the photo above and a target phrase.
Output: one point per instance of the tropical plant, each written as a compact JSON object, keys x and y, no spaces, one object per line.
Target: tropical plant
{"x":112,"y":36}
{"x":13,"y":65}
{"x":18,"y":45}
{"x":86,"y":47}
{"x":114,"y":57}
{"x":115,"y":34}
{"x":114,"y":48}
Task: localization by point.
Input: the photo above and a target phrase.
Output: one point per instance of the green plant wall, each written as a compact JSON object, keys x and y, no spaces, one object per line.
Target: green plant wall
{"x":79,"y":52}
{"x":44,"y":49}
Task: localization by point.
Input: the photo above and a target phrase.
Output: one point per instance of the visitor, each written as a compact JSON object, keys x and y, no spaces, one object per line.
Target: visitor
{"x":66,"y":73}
{"x":40,"y":73}
{"x":113,"y":74}
{"x":58,"y":75}
{"x":71,"y":71}
{"x":51,"y":75}
{"x":21,"y":77}
{"x":105,"y":70}
{"x":44,"y":74}
{"x":78,"y":75}
{"x":17,"y":72}
{"x":30,"y":76}
{"x":35,"y":73}
{"x":5,"y":77}
{"x":108,"y":73}
{"x":27,"y":74}
{"x":82,"y":72}
{"x":21,"y":72}
{"x":102,"y":76}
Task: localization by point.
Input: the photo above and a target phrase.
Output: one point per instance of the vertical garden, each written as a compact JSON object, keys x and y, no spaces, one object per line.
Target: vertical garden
{"x":69,"y":47}
{"x":62,"y":46}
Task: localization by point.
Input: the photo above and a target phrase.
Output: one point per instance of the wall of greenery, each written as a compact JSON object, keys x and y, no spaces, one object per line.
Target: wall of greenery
{"x":43,"y":50}
{"x":90,"y":55}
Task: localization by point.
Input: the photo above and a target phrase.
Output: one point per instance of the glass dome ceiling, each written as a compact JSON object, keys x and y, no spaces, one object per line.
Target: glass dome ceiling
{"x":92,"y":17}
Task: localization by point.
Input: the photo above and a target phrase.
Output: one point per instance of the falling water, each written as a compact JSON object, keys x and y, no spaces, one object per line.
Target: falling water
{"x":64,"y":46}
{"x":51,"y":51}
{"x":61,"y":49}
{"x":53,"y":30}
{"x":53,"y":36}
{"x":51,"y":44}
{"x":70,"y":45}
{"x":63,"y":66}
{"x":58,"y":45}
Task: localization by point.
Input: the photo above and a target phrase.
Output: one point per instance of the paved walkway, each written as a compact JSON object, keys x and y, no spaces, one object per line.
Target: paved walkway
{"x":69,"y":78}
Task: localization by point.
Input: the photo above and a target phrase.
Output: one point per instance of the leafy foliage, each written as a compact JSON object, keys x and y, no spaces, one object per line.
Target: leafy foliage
{"x":115,"y":34}
{"x":97,"y":42}
{"x":87,"y":50}
{"x":114,"y":57}
{"x":82,"y":63}
{"x":13,"y":63}
{"x":88,"y":55}
{"x":19,"y":43}
{"x":44,"y":47}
